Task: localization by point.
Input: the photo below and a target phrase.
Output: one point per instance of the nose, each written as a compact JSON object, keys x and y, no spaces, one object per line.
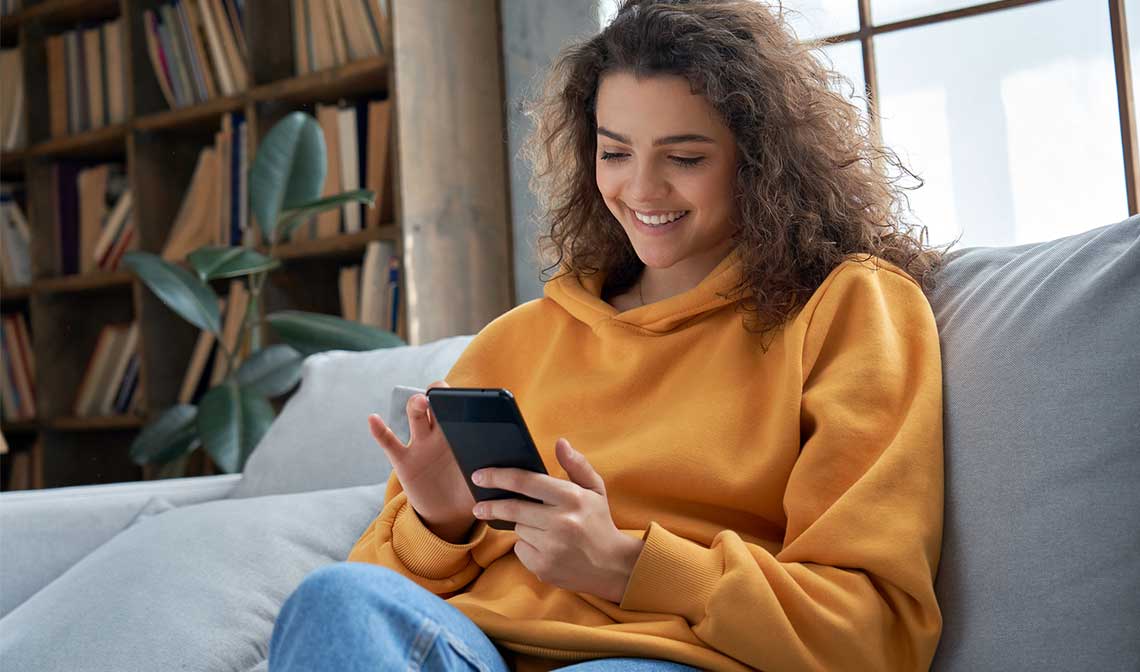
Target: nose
{"x":647,"y":185}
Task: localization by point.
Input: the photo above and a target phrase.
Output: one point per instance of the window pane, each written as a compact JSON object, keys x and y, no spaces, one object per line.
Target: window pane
{"x":821,"y":18}
{"x":1017,"y":136}
{"x":847,"y":59}
{"x":888,"y":11}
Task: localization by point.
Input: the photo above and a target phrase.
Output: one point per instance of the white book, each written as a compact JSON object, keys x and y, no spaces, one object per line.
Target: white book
{"x":374,"y":307}
{"x":349,"y":165}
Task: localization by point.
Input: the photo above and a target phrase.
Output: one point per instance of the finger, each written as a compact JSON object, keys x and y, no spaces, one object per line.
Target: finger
{"x":430,"y":415}
{"x":578,"y":468}
{"x":515,"y":510}
{"x":543,"y":487}
{"x":419,"y":424}
{"x":383,"y":434}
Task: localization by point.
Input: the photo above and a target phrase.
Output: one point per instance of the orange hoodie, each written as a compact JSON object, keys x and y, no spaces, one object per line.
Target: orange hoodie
{"x":790,"y":500}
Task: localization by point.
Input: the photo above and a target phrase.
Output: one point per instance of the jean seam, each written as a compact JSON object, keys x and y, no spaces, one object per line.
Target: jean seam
{"x":465,"y":652}
{"x":421,"y":646}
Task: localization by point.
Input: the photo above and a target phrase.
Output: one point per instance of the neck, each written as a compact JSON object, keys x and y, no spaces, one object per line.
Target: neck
{"x":658,"y":284}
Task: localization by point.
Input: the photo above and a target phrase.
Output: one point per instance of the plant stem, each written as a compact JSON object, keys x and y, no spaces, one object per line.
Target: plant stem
{"x":249,"y":320}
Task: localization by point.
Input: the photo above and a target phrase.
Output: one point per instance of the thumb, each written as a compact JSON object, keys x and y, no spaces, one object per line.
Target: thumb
{"x":578,"y":468}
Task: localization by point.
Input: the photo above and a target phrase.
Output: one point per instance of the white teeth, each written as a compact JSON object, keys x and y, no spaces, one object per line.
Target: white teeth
{"x":657,"y":220}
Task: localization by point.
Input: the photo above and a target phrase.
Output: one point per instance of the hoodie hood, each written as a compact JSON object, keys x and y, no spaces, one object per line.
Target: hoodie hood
{"x":581,"y":296}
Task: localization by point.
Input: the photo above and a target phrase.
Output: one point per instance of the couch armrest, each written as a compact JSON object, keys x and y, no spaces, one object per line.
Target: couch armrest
{"x":44,"y":532}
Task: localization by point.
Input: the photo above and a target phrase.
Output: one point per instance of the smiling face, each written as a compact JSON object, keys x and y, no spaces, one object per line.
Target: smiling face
{"x":664,"y":154}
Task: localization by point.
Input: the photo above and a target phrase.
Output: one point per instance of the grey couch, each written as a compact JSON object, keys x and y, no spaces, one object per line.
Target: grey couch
{"x":1040,"y":566}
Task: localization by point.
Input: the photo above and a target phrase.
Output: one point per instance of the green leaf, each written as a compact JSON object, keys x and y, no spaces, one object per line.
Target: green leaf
{"x":272,"y":371}
{"x":294,"y":217}
{"x":288,"y":171}
{"x":172,"y":435}
{"x":185,"y":294}
{"x":310,"y":333}
{"x":231,"y":421}
{"x":229,"y":262}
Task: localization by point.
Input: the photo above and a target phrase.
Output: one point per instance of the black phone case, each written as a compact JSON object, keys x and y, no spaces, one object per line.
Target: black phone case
{"x":485,"y":429}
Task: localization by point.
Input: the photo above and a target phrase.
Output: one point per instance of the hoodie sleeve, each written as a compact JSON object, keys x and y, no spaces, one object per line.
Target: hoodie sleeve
{"x":399,"y":540}
{"x":852,"y":587}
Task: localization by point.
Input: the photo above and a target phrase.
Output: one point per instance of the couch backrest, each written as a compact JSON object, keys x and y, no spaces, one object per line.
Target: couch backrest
{"x":1040,"y":563}
{"x":321,"y":439}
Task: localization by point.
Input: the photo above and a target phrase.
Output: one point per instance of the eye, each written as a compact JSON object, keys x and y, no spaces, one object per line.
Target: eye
{"x":608,"y":156}
{"x":687,"y":162}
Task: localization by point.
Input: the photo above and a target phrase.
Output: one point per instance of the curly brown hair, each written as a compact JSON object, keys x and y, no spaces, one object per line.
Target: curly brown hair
{"x":810,"y":182}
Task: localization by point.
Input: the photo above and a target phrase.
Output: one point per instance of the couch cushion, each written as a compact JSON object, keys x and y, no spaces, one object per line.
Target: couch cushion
{"x":1041,"y":367}
{"x":194,"y":588}
{"x":321,"y":439}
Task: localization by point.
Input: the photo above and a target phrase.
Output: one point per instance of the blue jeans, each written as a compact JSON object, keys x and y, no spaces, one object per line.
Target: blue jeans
{"x":351,"y":616}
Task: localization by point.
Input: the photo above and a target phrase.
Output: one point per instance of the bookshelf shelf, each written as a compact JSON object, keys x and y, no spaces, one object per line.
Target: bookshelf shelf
{"x":367,"y":76}
{"x":95,"y":144}
{"x":94,"y":424}
{"x":204,"y":115}
{"x":451,"y":88}
{"x":20,"y":427}
{"x":83,"y":282}
{"x":12,"y":163}
{"x":342,"y":245}
{"x":16,"y":293}
{"x":70,"y":11}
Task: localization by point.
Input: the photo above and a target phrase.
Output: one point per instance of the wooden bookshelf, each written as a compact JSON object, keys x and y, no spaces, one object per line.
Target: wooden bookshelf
{"x":432,"y":211}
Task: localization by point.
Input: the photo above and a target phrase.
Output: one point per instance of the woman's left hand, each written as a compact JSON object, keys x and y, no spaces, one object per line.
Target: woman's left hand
{"x":569,"y":540}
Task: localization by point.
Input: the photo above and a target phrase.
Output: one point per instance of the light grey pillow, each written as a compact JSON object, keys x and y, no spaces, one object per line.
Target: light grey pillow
{"x":195,"y":588}
{"x":1041,"y":371}
{"x":321,"y":439}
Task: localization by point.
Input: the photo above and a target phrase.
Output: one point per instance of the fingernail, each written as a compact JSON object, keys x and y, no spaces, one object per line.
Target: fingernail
{"x":478,"y":477}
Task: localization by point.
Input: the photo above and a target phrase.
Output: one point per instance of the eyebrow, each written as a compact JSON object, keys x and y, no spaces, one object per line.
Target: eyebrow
{"x":667,"y":140}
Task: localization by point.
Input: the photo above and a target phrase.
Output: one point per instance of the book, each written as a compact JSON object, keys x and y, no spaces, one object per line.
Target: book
{"x":348,"y":282}
{"x":158,"y":58}
{"x":199,"y":360}
{"x":222,"y":67}
{"x":113,"y":226}
{"x":376,"y":170}
{"x":375,"y":297}
{"x":56,"y":53}
{"x":93,"y":58}
{"x":116,"y":89}
{"x":328,"y":222}
{"x":237,"y":303}
{"x":104,"y":403}
{"x":349,"y":165}
{"x":198,"y":210}
{"x":301,"y":63}
{"x":96,"y":370}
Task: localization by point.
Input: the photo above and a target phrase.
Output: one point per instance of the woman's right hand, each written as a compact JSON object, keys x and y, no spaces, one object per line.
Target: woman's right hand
{"x":428,"y":472}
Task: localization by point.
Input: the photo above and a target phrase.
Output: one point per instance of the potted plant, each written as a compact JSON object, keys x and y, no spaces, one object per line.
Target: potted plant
{"x":285,"y":184}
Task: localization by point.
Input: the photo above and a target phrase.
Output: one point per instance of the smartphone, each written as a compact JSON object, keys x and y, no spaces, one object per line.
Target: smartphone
{"x":485,"y":429}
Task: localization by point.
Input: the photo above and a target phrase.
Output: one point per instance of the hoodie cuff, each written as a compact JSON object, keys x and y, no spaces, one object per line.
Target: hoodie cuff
{"x":425,"y":554}
{"x":672,"y":575}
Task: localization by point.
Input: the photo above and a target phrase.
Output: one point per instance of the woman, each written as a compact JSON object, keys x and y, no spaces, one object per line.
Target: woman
{"x":734,"y":380}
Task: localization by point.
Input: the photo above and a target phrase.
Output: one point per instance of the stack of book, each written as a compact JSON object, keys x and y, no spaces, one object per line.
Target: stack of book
{"x":356,"y":142}
{"x":207,"y":365}
{"x":13,"y":127}
{"x":197,"y":49}
{"x":18,"y":378}
{"x":93,"y":214}
{"x":110,"y":383}
{"x":85,"y":78}
{"x":15,"y":239}
{"x":215,"y":207}
{"x":328,"y":33}
{"x":372,"y":295}
{"x":9,"y":7}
